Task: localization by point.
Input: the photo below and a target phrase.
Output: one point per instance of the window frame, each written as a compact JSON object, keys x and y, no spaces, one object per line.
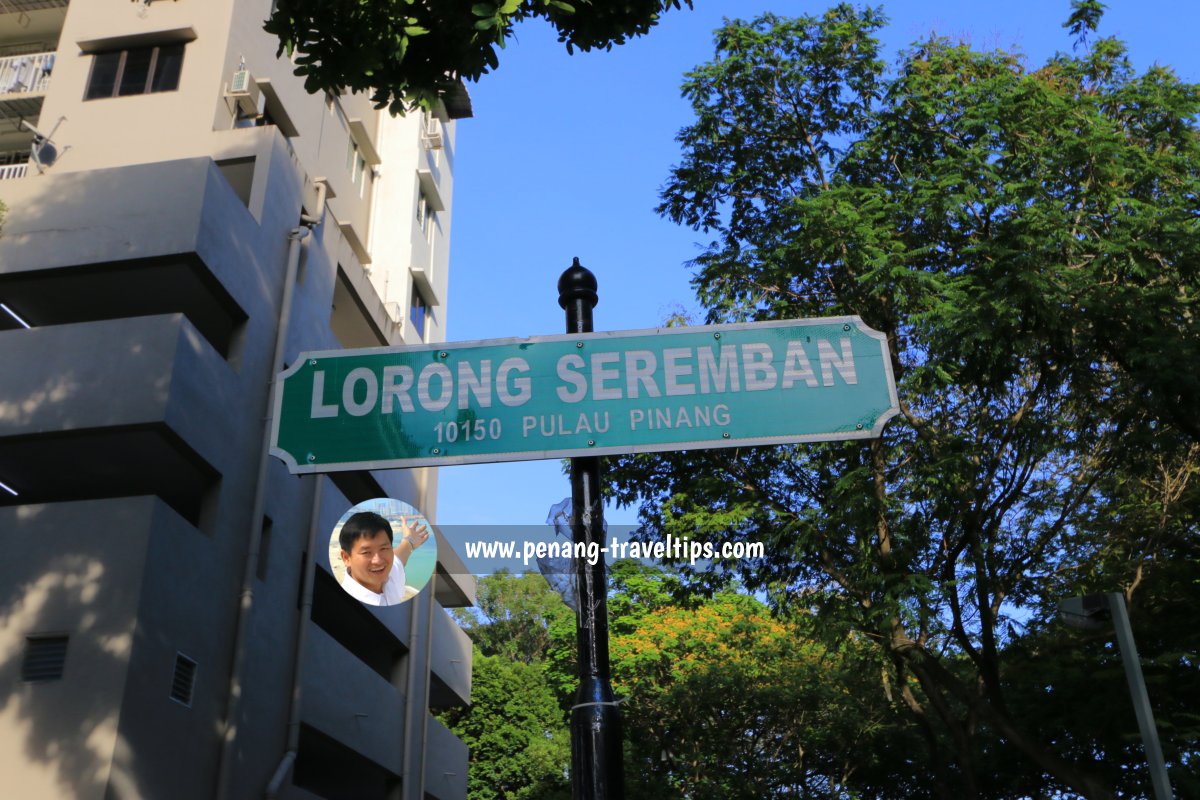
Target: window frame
{"x":426,"y":215}
{"x":152,"y":70}
{"x":418,"y":303}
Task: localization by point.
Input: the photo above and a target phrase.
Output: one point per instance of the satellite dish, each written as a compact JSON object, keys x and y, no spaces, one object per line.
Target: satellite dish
{"x":43,"y":152}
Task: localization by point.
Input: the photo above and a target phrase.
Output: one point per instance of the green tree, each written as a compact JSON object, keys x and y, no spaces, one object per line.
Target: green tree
{"x":721,"y":700}
{"x":1027,"y":241}
{"x":514,"y":727}
{"x":513,"y":616}
{"x":725,"y":701}
{"x":411,"y":53}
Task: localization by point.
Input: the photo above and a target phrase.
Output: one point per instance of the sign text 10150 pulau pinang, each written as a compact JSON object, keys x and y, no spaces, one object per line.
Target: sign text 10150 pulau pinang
{"x":586,"y":394}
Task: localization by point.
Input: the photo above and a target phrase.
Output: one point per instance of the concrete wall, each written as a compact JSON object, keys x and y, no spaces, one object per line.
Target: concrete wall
{"x":150,"y":261}
{"x":60,"y":738}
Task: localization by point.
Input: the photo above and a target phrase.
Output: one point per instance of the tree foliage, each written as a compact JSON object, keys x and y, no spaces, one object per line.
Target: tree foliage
{"x":411,"y":53}
{"x":721,"y":700}
{"x":1027,"y":241}
{"x":514,"y":728}
{"x":513,"y":616}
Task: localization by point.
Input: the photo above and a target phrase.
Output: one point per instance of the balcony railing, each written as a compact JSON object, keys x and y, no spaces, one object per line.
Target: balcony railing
{"x":27,"y":74}
{"x":13,"y":163}
{"x":13,"y":171}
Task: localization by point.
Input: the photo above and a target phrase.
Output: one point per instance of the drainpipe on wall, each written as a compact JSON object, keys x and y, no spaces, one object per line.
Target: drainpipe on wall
{"x":246,"y":601}
{"x":306,"y":600}
{"x":418,"y":674}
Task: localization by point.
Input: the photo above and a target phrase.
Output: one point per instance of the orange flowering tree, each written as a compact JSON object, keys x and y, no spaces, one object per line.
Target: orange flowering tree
{"x":723,"y":700}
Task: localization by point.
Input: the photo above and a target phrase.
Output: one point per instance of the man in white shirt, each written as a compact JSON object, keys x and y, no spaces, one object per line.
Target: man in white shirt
{"x":375,"y":569}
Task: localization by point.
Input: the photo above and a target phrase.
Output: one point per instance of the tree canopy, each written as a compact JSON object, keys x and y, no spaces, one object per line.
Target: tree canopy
{"x":1026,"y":238}
{"x":720,"y":699}
{"x":515,"y":727}
{"x":725,"y":701}
{"x":413,"y":53}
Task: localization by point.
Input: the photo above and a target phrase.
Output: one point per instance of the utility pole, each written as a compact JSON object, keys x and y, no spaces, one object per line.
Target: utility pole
{"x":596,"y":769}
{"x":1091,"y":613}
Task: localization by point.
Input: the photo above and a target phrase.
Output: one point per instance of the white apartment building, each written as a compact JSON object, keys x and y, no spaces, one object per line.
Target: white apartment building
{"x":169,"y":623}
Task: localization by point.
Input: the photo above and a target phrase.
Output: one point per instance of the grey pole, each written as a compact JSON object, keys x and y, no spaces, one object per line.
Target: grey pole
{"x":1141,"y":700}
{"x":596,"y":769}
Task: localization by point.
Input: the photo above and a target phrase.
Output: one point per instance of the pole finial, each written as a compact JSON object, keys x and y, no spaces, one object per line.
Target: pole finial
{"x":577,"y":283}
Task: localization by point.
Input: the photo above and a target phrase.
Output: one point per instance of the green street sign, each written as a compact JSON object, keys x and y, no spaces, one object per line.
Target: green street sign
{"x":587,"y":394}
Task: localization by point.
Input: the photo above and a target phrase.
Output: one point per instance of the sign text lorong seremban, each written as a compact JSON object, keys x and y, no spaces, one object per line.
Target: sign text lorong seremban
{"x":586,"y":394}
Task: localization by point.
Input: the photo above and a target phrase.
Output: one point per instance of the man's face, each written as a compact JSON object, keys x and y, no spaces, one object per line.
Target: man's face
{"x":370,"y":560}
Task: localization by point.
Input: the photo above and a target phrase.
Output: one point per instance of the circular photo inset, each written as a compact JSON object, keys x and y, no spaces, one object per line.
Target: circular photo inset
{"x":382,"y":551}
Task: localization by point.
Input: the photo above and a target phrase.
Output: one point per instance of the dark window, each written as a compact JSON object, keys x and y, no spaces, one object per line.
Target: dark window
{"x":184,"y":679}
{"x":419,"y":314}
{"x":45,"y":657}
{"x":137,"y":70}
{"x":168,"y":65}
{"x":104,"y":75}
{"x":426,"y":216}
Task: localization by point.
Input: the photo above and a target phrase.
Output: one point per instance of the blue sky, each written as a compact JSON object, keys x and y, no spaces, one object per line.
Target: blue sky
{"x":566,"y":154}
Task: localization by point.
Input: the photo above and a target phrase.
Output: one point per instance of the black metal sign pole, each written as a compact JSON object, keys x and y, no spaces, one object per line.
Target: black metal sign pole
{"x":596,"y":770}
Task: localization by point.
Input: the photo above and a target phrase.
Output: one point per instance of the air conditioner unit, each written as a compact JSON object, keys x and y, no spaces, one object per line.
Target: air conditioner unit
{"x":244,"y":91}
{"x":431,"y":133}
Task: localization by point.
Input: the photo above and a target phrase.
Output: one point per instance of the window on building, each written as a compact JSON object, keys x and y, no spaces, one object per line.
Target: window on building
{"x":355,"y":162}
{"x":419,"y":313}
{"x":135,"y":70}
{"x":426,"y":216}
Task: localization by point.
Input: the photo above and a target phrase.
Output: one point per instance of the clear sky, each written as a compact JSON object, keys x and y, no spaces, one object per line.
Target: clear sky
{"x":566,"y":154}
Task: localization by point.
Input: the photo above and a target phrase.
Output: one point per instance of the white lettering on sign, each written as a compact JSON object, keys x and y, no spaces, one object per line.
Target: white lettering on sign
{"x":674,"y":370}
{"x":366,"y":377}
{"x":756,"y":359}
{"x":718,"y":372}
{"x":639,"y":372}
{"x":600,"y":376}
{"x":796,"y":367}
{"x":318,"y":408}
{"x":566,"y":370}
{"x":698,"y":370}
{"x":479,"y":385}
{"x":445,"y":387}
{"x":397,"y":381}
{"x":436,"y":387}
{"x":521,"y":388}
{"x":830,"y":362}
{"x":602,"y":373}
{"x":564,"y":424}
{"x":679,"y":417}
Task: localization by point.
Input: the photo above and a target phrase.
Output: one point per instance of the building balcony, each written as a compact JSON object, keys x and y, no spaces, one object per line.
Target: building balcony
{"x":14,"y":164}
{"x":369,"y":719}
{"x":450,"y":663}
{"x":111,"y":409}
{"x":26,"y":6}
{"x":24,"y":80}
{"x":445,"y":762}
{"x":26,"y":74}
